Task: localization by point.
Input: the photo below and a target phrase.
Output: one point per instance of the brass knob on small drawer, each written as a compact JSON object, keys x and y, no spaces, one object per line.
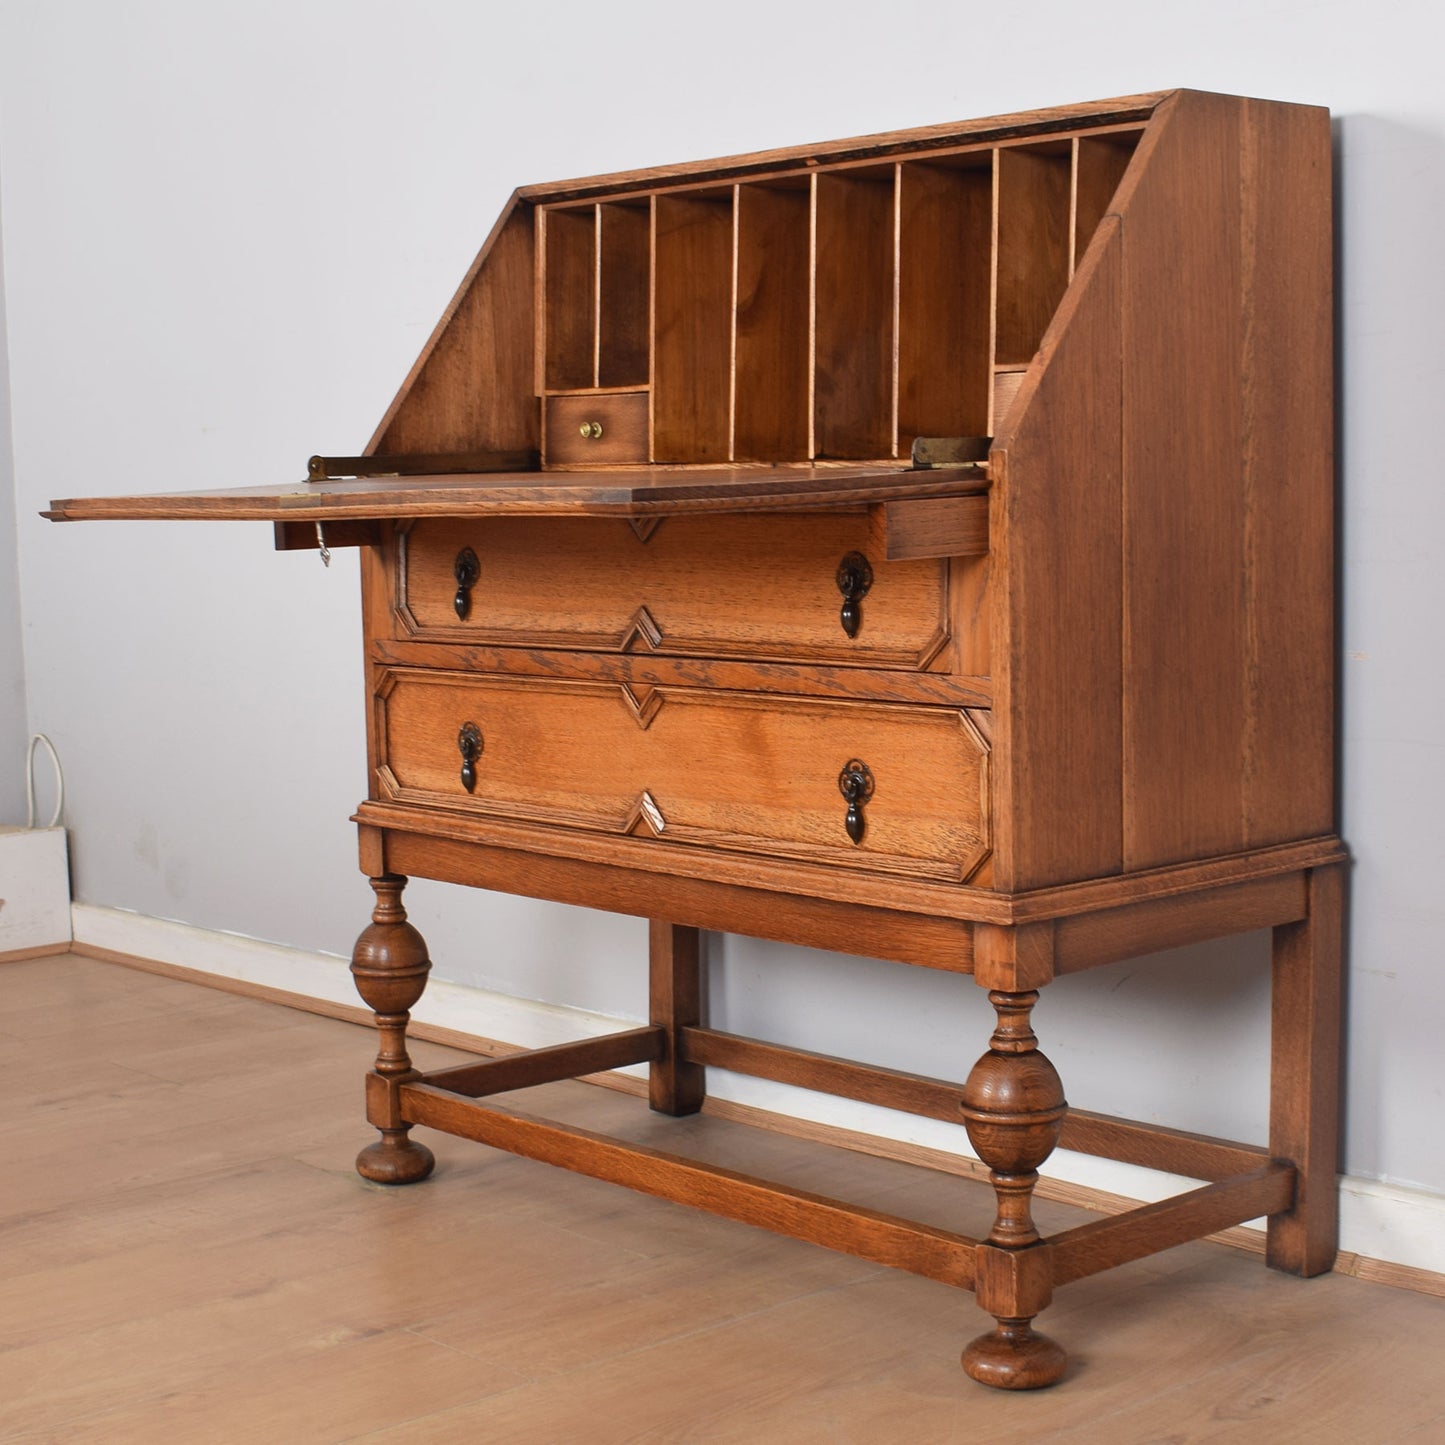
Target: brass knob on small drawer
{"x":469,"y":744}
{"x":855,"y":783}
{"x":592,"y":430}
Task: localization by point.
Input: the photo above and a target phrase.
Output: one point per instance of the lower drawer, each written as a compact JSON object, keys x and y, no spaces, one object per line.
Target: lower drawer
{"x":694,"y":767}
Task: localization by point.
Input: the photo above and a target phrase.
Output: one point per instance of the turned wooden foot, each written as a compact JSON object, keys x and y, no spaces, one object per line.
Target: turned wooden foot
{"x":395,"y":1159}
{"x":1013,"y":1107}
{"x":390,"y":966}
{"x":1014,"y":1356}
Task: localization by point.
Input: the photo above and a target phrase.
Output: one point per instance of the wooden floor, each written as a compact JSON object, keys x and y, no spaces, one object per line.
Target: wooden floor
{"x":187,"y":1256}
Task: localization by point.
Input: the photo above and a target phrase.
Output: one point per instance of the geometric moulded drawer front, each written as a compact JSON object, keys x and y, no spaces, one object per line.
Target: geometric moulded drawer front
{"x":712,"y":586}
{"x":738,"y":771}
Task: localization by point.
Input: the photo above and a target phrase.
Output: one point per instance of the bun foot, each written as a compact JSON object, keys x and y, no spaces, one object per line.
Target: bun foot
{"x":395,"y":1159}
{"x":1013,"y":1357}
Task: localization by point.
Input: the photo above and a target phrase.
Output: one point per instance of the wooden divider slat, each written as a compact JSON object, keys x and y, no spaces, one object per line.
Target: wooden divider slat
{"x":943,"y":301}
{"x":692,"y":327}
{"x":853,"y":360}
{"x":623,"y":278}
{"x":570,"y":238}
{"x":1032,"y":248}
{"x":771,"y":416}
{"x":1099,"y":166}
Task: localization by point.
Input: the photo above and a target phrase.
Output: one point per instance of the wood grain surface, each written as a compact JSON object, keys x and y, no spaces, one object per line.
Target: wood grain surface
{"x":944,"y":299}
{"x":695,"y":767}
{"x":621,"y":492}
{"x":692,"y":299}
{"x":773,"y":322}
{"x":714,"y":587}
{"x":854,"y":314}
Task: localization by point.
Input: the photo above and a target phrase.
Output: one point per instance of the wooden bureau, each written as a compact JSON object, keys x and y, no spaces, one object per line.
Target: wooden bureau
{"x":917,"y":546}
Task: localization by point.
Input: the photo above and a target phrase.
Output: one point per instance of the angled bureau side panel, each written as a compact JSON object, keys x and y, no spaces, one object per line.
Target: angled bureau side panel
{"x":472,"y":387}
{"x":1058,"y":670}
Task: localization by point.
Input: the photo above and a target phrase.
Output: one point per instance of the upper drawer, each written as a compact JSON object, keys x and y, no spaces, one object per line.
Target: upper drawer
{"x":745,"y":586}
{"x":605,"y":428}
{"x":693,"y":766}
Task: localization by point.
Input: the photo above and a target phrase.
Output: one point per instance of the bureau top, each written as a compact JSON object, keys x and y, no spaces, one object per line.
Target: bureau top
{"x":919,"y":141}
{"x":790,"y":323}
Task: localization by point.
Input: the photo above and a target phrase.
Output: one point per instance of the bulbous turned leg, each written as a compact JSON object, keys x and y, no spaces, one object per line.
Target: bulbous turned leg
{"x":390,"y":966}
{"x":1013,"y":1108}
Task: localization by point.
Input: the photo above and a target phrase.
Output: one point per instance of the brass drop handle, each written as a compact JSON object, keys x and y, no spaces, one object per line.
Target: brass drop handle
{"x":469,"y":744}
{"x":855,"y":783}
{"x":854,"y":578}
{"x":466,"y":570}
{"x":592,"y":430}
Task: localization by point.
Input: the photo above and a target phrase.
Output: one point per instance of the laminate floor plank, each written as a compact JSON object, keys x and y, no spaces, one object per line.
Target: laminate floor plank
{"x":189,"y":1256}
{"x":69,"y":1011}
{"x":1369,"y":1373}
{"x":876,"y":1362}
{"x":167,"y":1136}
{"x":252,"y":1311}
{"x":34,"y":982}
{"x":1430,"y":1433}
{"x":589,"y":1320}
{"x":333,"y":1392}
{"x":132,"y":1030}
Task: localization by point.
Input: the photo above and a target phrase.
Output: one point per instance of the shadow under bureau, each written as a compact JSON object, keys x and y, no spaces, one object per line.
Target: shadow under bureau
{"x":917,"y":546}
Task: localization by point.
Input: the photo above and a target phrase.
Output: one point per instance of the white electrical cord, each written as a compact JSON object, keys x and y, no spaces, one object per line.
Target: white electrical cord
{"x":30,"y":782}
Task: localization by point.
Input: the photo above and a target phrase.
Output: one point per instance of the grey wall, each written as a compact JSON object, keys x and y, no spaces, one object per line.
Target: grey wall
{"x":228,"y":230}
{"x":12,"y":658}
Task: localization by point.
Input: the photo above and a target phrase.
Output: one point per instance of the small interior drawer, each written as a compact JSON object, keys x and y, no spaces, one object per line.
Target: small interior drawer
{"x":596,"y":428}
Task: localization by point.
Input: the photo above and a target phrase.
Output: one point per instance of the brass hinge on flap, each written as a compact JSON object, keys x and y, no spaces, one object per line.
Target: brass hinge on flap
{"x":950,"y":451}
{"x":420,"y":464}
{"x":323,"y":537}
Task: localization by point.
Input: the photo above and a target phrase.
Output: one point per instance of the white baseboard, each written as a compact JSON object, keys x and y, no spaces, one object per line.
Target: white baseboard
{"x":1379,"y":1221}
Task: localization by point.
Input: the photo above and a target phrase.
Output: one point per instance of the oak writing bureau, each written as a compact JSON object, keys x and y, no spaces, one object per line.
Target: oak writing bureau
{"x":918,"y":547}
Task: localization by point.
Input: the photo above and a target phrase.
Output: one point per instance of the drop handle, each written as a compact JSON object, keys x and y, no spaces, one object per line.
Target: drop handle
{"x":854,"y":577}
{"x":855,"y":783}
{"x":469,"y":744}
{"x":466,"y":569}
